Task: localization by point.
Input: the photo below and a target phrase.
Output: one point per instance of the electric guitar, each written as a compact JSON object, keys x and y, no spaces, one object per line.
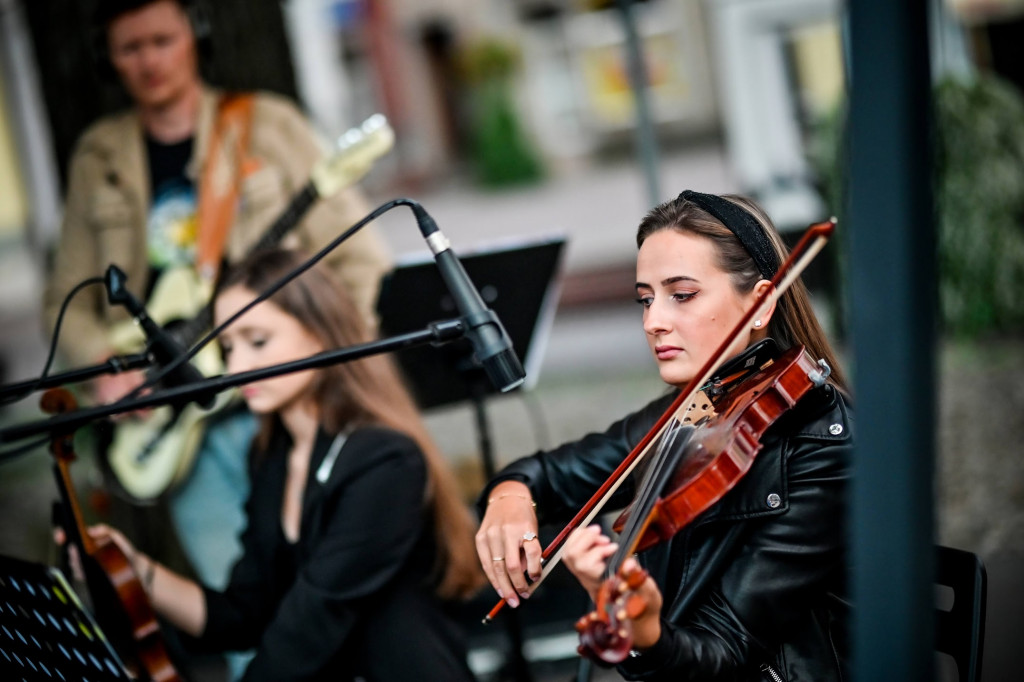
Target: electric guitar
{"x":150,"y":454}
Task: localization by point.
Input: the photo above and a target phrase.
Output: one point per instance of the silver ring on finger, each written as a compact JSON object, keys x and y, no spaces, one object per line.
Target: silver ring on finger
{"x":529,"y":536}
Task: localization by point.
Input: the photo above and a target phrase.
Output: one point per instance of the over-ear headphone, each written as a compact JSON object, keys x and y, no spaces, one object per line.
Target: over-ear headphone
{"x":108,"y":10}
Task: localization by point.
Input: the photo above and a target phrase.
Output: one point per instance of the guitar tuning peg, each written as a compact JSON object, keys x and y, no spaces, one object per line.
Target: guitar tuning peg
{"x":375,"y":122}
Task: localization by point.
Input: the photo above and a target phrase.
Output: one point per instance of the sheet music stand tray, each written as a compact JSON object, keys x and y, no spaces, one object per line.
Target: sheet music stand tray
{"x":45,"y":633}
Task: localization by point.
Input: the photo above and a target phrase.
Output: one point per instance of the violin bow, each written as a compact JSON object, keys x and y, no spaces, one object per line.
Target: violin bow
{"x":810,"y":244}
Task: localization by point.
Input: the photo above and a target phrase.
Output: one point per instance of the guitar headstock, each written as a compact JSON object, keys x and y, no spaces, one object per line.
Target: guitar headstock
{"x":357,"y":150}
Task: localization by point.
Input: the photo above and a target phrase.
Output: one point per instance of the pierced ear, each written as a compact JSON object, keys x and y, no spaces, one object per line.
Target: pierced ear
{"x":764,"y":314}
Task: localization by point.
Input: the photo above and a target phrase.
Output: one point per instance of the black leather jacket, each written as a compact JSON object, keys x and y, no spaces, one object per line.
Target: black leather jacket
{"x":754,"y":588}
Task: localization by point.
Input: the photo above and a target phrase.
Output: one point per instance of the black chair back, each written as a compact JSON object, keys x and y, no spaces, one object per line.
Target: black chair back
{"x":960,"y":629}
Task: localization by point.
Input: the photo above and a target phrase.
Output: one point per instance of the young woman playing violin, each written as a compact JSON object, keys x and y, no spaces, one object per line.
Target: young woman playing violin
{"x":753,"y":588}
{"x":356,"y":535}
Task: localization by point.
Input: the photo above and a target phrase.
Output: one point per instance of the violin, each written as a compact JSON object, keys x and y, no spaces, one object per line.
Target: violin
{"x":120,"y":603}
{"x":721,"y":448}
{"x":689,"y":474}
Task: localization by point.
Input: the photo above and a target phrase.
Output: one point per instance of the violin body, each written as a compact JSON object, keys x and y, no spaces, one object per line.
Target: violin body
{"x":724,"y":446}
{"x":123,"y":611}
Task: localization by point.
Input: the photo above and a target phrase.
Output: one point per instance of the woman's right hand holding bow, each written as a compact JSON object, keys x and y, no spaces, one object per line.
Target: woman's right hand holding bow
{"x":507,"y":542}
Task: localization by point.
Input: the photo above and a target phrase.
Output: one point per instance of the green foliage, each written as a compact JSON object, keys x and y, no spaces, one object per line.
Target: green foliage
{"x":489,"y":59}
{"x":979,"y":195}
{"x":979,"y":177}
{"x":501,"y":153}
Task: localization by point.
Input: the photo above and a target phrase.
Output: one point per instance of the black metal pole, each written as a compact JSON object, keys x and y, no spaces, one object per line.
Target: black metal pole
{"x":647,"y":143}
{"x":516,"y":666}
{"x":435,"y":333}
{"x":893,"y":293}
{"x":118,"y":363}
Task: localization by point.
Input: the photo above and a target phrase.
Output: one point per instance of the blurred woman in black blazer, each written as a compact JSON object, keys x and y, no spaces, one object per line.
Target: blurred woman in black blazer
{"x":356,"y":536}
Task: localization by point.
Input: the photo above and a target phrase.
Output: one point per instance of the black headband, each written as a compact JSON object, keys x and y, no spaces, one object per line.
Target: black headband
{"x":745,"y":226}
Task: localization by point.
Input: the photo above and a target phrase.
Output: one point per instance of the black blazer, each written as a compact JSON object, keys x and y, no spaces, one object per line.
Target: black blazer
{"x":354,"y":596}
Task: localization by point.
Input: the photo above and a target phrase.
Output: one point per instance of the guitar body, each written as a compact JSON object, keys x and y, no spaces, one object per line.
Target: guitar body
{"x":151,"y":453}
{"x":179,"y":294}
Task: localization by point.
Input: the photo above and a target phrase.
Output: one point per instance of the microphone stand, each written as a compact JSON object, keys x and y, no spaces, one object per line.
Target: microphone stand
{"x":115,"y":365}
{"x":515,"y":667}
{"x":436,"y":333}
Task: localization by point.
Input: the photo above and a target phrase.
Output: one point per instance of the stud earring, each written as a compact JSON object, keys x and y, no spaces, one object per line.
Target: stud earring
{"x":757,"y":323}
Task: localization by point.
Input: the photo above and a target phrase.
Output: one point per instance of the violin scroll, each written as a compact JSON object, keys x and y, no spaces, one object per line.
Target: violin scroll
{"x":606,"y":633}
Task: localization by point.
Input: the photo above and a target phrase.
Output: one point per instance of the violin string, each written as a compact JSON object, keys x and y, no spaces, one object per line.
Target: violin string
{"x":553,"y":552}
{"x":555,"y":556}
{"x":647,"y":494}
{"x":665,"y":441}
{"x":653,"y":481}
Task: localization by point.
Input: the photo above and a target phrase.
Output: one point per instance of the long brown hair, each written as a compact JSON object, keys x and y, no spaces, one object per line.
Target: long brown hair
{"x":368,"y":391}
{"x":794,"y":322}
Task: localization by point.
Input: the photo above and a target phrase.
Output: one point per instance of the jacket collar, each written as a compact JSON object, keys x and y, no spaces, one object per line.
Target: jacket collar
{"x":123,"y":147}
{"x":280,"y":444}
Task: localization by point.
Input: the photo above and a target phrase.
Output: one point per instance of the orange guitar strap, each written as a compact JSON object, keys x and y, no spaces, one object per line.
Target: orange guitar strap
{"x":220,"y":182}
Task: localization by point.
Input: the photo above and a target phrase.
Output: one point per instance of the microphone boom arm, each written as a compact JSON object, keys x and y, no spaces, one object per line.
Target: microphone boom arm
{"x":114,"y":365}
{"x":436,"y":333}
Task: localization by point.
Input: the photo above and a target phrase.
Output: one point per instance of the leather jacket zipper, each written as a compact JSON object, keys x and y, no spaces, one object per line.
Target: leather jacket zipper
{"x":772,"y":673}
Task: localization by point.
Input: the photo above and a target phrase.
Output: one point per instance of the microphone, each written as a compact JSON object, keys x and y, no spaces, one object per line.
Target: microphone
{"x":491,"y":344}
{"x":163,"y":348}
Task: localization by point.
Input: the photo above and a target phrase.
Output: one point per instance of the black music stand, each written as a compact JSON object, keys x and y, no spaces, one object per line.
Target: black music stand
{"x":518,"y":282}
{"x":45,"y":633}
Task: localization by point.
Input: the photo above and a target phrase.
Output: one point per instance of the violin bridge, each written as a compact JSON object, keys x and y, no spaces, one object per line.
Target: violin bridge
{"x":700,"y":409}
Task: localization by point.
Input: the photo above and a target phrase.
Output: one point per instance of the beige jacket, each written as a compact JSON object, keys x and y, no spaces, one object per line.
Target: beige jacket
{"x":108,"y":200}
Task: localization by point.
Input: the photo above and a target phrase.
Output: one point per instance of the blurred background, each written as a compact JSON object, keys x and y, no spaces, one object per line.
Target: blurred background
{"x":526,"y":121}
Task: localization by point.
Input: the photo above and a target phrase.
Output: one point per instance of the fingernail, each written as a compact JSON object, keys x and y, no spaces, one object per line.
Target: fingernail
{"x":513,"y":602}
{"x":524,"y":594}
{"x":500,"y":595}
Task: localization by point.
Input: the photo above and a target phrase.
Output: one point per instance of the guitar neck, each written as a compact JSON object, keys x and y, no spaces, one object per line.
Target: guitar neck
{"x":192,"y":330}
{"x":289,"y":218}
{"x":358,"y":148}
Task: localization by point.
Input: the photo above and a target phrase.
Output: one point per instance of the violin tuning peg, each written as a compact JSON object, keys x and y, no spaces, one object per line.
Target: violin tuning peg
{"x":635,"y":605}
